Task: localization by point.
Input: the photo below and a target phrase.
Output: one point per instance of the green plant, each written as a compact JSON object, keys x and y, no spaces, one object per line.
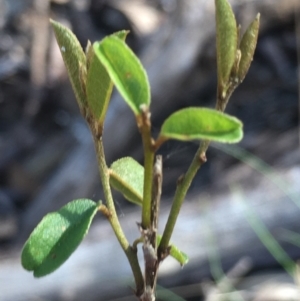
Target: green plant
{"x":93,"y":74}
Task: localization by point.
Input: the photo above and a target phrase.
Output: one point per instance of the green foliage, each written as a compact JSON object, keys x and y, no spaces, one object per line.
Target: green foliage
{"x":92,"y":74}
{"x":126,"y":72}
{"x":226,"y":29}
{"x":233,"y":57}
{"x":74,"y":59}
{"x":200,"y":123}
{"x":99,"y":85}
{"x":127,"y":176}
{"x":247,"y":48}
{"x":180,"y":256}
{"x":57,"y":236}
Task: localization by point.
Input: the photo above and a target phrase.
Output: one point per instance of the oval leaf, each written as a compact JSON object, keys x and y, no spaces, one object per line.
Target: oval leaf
{"x":180,"y":256}
{"x":125,"y":70}
{"x":99,"y":85}
{"x":247,"y":47}
{"x":57,"y":236}
{"x":127,"y":177}
{"x":226,"y":33}
{"x":201,"y":123}
{"x":74,"y":59}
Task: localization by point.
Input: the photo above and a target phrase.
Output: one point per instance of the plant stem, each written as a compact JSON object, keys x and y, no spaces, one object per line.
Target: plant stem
{"x":148,"y":165}
{"x":144,"y":125}
{"x":183,"y":185}
{"x":113,"y":218}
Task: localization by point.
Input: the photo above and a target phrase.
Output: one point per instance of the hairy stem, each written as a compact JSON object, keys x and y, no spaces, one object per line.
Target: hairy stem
{"x":144,"y":125}
{"x":148,"y":165}
{"x":183,"y":185}
{"x":130,"y":252}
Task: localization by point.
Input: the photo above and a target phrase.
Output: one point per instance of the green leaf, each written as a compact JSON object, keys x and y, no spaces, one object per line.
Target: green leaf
{"x":247,"y":47}
{"x":57,"y":236}
{"x":226,"y":30}
{"x":127,"y":176}
{"x":201,"y":123}
{"x":99,"y":86}
{"x":74,"y":59}
{"x":125,"y":70}
{"x":180,"y":256}
{"x":122,"y":34}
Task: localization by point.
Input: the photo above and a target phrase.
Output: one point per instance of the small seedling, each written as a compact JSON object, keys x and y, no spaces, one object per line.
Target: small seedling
{"x":93,"y":74}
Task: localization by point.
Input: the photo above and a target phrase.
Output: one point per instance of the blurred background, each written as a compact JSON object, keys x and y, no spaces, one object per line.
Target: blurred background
{"x":240,"y":222}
